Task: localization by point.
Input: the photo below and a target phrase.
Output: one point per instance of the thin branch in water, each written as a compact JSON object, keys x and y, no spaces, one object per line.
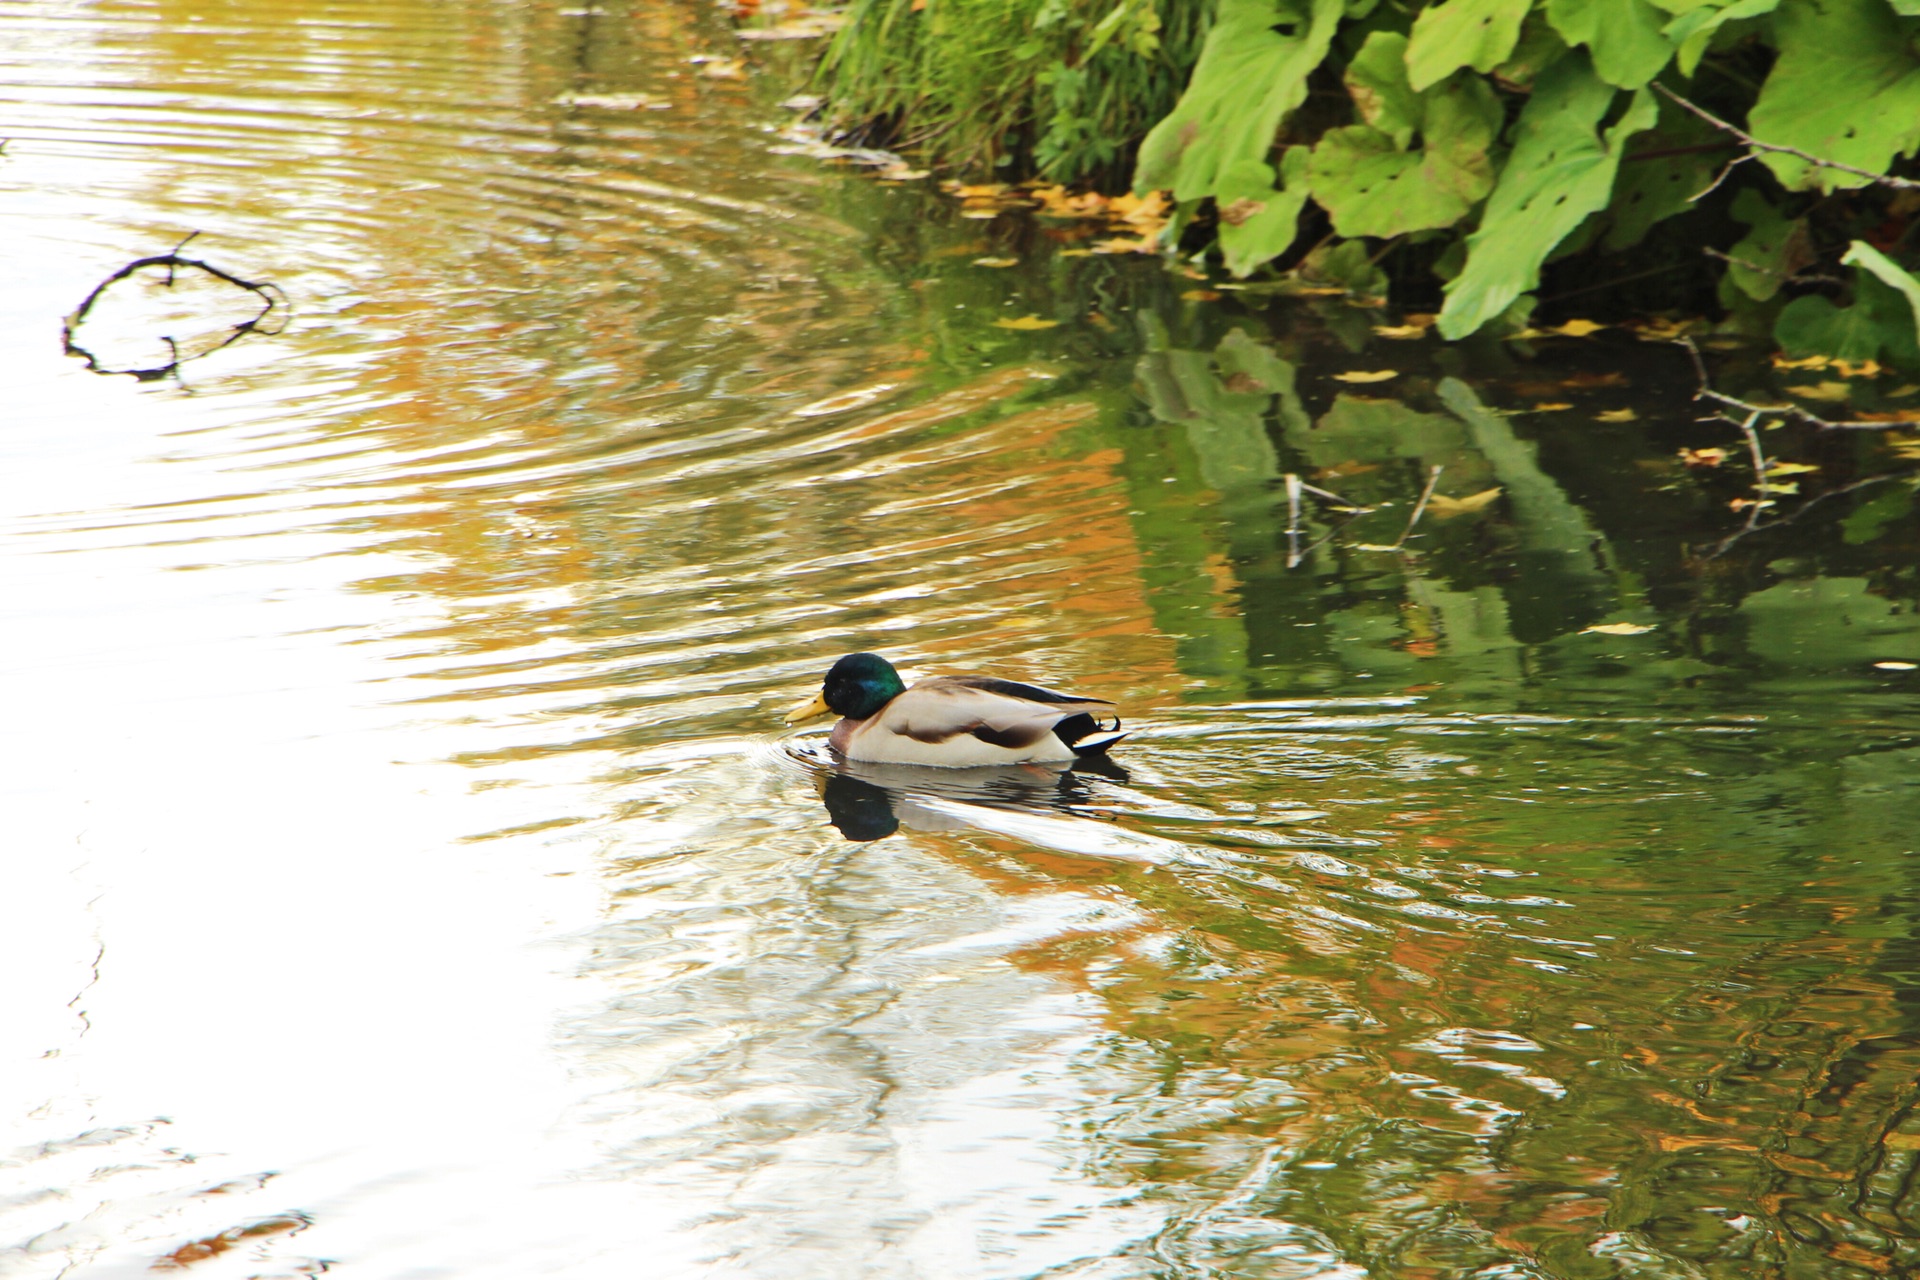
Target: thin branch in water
{"x":1420,"y":507}
{"x":1318,"y":492}
{"x":1792,"y":412}
{"x":1293,"y":520}
{"x":1754,"y":144}
{"x":272,"y":300}
{"x":1762,"y":493}
{"x":1720,"y":547}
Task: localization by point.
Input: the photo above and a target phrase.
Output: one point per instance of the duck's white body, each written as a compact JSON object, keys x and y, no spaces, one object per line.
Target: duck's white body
{"x":965,"y":722}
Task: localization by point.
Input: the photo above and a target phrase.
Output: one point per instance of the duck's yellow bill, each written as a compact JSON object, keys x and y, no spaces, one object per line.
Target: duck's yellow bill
{"x":807,"y":710}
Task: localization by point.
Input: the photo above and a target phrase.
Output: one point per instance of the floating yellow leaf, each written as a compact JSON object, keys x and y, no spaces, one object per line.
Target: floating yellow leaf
{"x":1791,"y":468}
{"x":1401,"y":330}
{"x":1075,"y":253}
{"x":1703,"y":457}
{"x":1576,"y":328}
{"x":1834,"y":391}
{"x":1200,"y":295}
{"x":1551,"y":406}
{"x":1026,"y":322}
{"x":1121,"y":244}
{"x":1902,"y":391}
{"x":1615,"y":629}
{"x":721,"y":68}
{"x":1857,"y":368}
{"x":996,"y":262}
{"x":1661,"y":330}
{"x":1443,"y":506}
{"x":1783,"y":486}
{"x":1366,"y":375}
{"x":1616,"y":415}
{"x":1805,"y":362}
{"x":1889,"y":415}
{"x":1905,"y":449}
{"x":1376,"y":546}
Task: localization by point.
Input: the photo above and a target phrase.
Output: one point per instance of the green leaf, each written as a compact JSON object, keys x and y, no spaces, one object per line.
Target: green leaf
{"x":1560,"y":171}
{"x":1624,"y":37}
{"x":1865,"y":256}
{"x":1878,"y":326}
{"x":1252,"y":72}
{"x":1367,"y":180}
{"x":1377,"y":82}
{"x":1258,"y":222}
{"x":1693,"y":30}
{"x":1348,"y":265}
{"x":1462,"y":33}
{"x":1538,"y":48}
{"x":1846,"y":87}
{"x":1661,"y":185}
{"x":1777,"y":246}
{"x":1871,"y":519}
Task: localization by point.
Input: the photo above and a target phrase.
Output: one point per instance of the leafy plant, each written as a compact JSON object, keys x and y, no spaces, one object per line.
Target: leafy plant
{"x":1468,"y":146}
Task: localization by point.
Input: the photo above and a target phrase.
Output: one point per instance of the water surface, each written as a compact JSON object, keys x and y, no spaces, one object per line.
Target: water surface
{"x":409,"y":875}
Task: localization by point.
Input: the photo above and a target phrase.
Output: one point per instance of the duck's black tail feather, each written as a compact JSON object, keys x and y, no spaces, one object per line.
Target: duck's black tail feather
{"x":1087,"y":736}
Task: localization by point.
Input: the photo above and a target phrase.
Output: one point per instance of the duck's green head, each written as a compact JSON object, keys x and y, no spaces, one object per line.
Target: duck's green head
{"x":857,"y":686}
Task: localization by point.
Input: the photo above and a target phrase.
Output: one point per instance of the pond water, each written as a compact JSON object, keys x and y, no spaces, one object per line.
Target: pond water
{"x":408,"y":874}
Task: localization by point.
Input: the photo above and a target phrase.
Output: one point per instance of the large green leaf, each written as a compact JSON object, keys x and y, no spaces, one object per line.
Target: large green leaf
{"x":1258,"y":222}
{"x":1365,"y":176}
{"x":1624,"y":37}
{"x":1462,"y":33}
{"x":1560,"y":171}
{"x":1846,"y":87}
{"x":1252,"y":72}
{"x":1772,"y":250}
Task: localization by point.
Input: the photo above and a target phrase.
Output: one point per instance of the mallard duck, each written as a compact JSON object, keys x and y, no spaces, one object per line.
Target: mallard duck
{"x":954,"y":721}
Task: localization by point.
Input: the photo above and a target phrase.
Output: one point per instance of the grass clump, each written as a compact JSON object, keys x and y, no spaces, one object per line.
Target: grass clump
{"x":1059,"y":89}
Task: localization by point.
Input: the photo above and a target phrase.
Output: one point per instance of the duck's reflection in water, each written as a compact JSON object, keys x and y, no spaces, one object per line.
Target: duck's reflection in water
{"x":866,"y":801}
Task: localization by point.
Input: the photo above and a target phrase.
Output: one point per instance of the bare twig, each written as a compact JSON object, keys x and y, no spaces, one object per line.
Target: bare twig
{"x":1762,"y":493}
{"x":1796,"y":277}
{"x":1752,"y":527}
{"x":1333,"y":497}
{"x":272,"y":301}
{"x":1791,"y":412}
{"x":1754,"y":144}
{"x":1420,"y":507}
{"x":1726,"y":170}
{"x":1663,"y":153}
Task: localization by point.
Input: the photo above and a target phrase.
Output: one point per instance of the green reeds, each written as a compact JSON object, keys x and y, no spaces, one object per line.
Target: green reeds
{"x":1060,"y":89}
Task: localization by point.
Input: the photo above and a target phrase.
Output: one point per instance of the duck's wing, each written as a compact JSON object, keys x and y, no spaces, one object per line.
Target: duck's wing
{"x":1001,"y":713}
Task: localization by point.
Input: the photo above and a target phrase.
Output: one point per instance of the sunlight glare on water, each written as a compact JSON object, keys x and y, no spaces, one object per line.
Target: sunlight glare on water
{"x":409,"y":874}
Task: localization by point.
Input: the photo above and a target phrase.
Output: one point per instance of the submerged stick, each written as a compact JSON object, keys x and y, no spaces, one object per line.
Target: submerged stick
{"x":271,"y":296}
{"x":1420,"y":507}
{"x":1293,"y":520}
